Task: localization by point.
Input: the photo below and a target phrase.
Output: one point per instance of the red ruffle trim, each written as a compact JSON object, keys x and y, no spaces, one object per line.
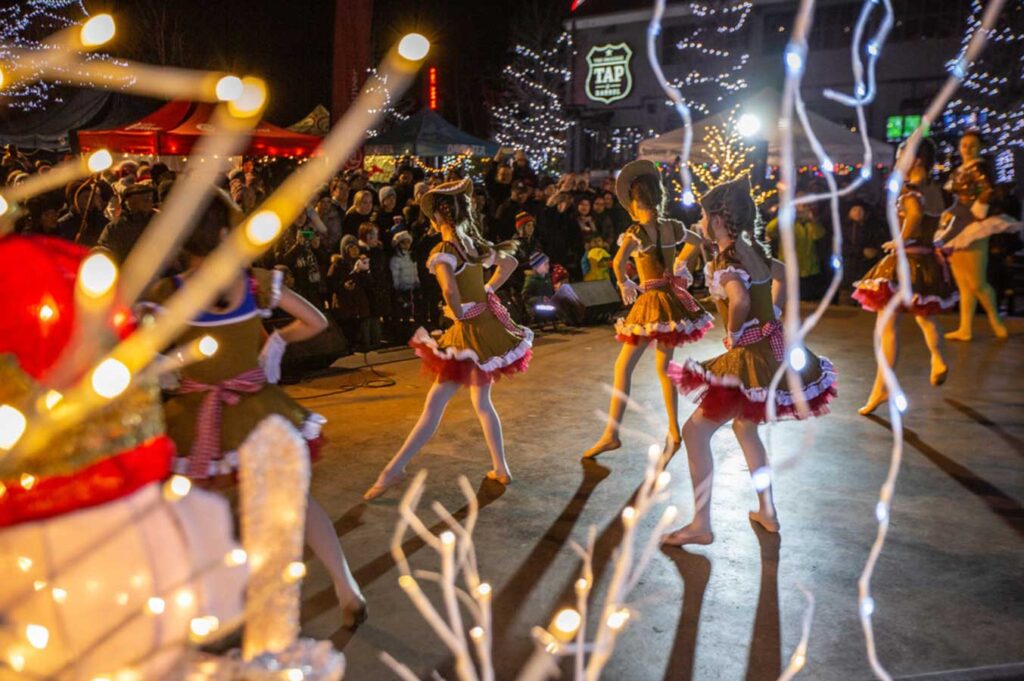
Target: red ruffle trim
{"x":721,"y":403}
{"x":876,"y":300}
{"x":106,"y":480}
{"x":465,"y":371}
{"x":671,"y":339}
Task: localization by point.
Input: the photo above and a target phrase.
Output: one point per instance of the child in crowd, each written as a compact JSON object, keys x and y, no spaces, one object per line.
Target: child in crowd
{"x":596,"y":260}
{"x":406,"y":281}
{"x":379,"y":292}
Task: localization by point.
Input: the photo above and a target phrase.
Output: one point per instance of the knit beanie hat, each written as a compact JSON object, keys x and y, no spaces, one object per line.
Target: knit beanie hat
{"x":385,"y":192}
{"x":522,"y":218}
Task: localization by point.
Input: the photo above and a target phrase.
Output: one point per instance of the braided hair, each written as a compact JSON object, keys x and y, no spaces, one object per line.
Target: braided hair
{"x":458,"y":211}
{"x":732,"y":202}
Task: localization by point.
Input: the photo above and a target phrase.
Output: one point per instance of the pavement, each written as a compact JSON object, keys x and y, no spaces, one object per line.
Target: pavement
{"x":948,"y":588}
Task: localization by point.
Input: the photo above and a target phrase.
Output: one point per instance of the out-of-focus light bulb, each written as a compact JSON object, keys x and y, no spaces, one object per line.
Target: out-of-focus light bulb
{"x":263,"y":227}
{"x":567,"y":621}
{"x":111,"y":378}
{"x":229,"y":88}
{"x":97,"y":274}
{"x":38,"y":636}
{"x":798,"y":358}
{"x":208,"y":346}
{"x":98,"y":30}
{"x":414,"y":47}
{"x":12,"y":426}
{"x":251,"y":100}
{"x":99,"y":161}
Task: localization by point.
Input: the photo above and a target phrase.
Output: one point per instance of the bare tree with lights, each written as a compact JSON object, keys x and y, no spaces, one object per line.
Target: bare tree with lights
{"x":991,"y":98}
{"x":531,"y":114}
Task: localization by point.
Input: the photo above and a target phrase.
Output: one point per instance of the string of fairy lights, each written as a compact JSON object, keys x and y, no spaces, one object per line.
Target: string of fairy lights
{"x":715,"y":68}
{"x":533,"y":116}
{"x":378,"y":83}
{"x":991,"y":98}
{"x":22,"y":26}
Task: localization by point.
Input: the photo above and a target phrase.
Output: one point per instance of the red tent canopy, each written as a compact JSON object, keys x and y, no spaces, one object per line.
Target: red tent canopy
{"x":174,"y":129}
{"x":141,"y":137}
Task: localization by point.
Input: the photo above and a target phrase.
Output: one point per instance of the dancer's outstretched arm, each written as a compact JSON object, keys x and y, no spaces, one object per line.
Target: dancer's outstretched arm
{"x":504,"y":266}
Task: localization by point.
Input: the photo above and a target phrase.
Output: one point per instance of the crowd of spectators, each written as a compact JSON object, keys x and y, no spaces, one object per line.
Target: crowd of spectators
{"x":359,"y":250}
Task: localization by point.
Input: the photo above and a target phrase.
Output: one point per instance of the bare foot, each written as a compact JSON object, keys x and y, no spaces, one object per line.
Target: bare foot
{"x":384,"y":482}
{"x":769,"y":522}
{"x":504,"y":478}
{"x":605,"y":444}
{"x":354,"y":613}
{"x":959,"y":335}
{"x":1001,"y":332}
{"x":872,"y":404}
{"x":688,"y":535}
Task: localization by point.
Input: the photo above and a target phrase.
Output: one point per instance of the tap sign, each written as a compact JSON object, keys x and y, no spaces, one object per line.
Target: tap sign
{"x":609,"y":77}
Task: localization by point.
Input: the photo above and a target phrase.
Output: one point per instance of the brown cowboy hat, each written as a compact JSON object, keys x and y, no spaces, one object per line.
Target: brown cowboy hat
{"x":453,"y":188}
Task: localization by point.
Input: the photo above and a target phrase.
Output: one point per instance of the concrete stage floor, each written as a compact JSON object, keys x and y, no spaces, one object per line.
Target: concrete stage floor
{"x":949,"y":587}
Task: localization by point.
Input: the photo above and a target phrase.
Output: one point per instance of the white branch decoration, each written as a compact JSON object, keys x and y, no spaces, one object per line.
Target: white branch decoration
{"x":567,"y":634}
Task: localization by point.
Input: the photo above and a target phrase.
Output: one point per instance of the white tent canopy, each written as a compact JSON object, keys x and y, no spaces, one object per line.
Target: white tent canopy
{"x":841,"y":145}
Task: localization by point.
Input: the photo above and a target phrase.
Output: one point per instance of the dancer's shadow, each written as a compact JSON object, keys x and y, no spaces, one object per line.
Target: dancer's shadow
{"x":695,"y":571}
{"x":765,"y":660}
{"x":521,"y":584}
{"x":320,"y":602}
{"x":1016,"y":444}
{"x":999,"y":502}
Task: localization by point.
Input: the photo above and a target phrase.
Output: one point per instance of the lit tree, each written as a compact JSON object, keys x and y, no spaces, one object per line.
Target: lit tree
{"x":708,"y":46}
{"x":991,"y":98}
{"x":531,"y":115}
{"x":729,"y":157}
{"x":24,"y":25}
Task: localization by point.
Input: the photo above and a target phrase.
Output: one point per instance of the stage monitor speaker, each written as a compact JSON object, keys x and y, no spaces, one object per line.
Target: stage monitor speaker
{"x":317,"y":353}
{"x":587,"y":302}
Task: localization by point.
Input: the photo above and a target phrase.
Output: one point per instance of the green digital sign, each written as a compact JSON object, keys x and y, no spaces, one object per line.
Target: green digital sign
{"x":899,"y":128}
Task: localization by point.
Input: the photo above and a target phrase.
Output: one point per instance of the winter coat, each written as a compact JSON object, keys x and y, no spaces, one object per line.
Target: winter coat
{"x":404,"y":272}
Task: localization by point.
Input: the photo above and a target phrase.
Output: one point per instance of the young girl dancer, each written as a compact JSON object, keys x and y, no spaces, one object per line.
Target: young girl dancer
{"x":742,"y":279}
{"x":920,"y":206}
{"x":967,"y":227}
{"x":222,"y":399}
{"x":481,"y":346}
{"x":663,"y":311}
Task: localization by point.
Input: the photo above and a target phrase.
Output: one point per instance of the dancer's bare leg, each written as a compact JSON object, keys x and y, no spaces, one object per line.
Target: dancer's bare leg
{"x":663,"y":355}
{"x":933,"y":339}
{"x":491,"y":424}
{"x":757,"y":460}
{"x":433,"y":409}
{"x":891,"y":349}
{"x":629,"y":355}
{"x":322,"y":538}
{"x":697,"y":432}
{"x":959,"y":262}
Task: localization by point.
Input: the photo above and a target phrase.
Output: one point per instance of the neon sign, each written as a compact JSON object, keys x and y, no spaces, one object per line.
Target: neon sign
{"x":432,"y":88}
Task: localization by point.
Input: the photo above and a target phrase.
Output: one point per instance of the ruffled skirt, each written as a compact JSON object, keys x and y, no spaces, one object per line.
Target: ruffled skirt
{"x":659,"y":316}
{"x":983,"y":229}
{"x":932,"y":287}
{"x":476,"y":351}
{"x":735,"y":384}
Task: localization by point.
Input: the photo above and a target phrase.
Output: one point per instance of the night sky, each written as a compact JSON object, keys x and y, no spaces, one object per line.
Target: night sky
{"x":290,"y":45}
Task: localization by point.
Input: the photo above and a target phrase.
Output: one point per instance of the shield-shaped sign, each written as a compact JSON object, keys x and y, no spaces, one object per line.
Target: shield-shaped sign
{"x":609,"y":77}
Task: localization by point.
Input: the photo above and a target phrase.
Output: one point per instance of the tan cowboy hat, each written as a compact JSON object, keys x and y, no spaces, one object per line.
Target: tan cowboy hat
{"x":630,"y":172}
{"x":454,"y":188}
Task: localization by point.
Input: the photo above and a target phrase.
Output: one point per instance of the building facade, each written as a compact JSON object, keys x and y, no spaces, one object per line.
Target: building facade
{"x":724,"y":51}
